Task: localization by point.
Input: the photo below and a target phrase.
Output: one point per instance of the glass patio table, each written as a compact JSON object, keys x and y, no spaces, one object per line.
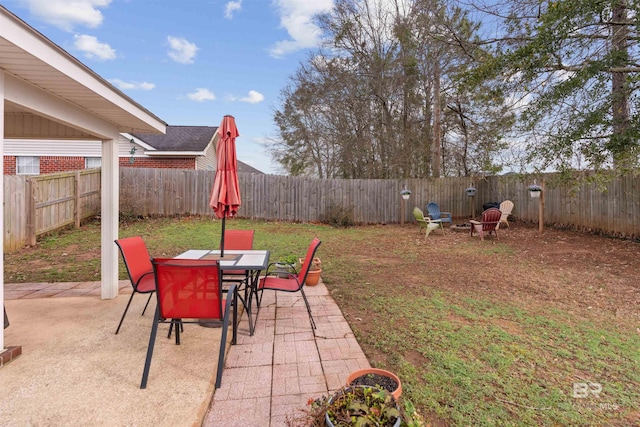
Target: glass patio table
{"x":253,"y":262}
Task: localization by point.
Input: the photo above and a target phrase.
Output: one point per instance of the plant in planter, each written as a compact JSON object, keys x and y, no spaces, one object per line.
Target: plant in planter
{"x":313,"y":276}
{"x":377,"y":378}
{"x":361,"y":406}
{"x":285,"y":266}
{"x":534,"y":190}
{"x":357,"y":406}
{"x":405,"y":194}
{"x":470,"y":191}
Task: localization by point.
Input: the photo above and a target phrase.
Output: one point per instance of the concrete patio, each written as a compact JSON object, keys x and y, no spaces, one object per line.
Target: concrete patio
{"x":75,"y":371}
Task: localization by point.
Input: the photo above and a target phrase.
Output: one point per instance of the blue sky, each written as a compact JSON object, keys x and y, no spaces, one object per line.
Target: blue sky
{"x":189,"y":62}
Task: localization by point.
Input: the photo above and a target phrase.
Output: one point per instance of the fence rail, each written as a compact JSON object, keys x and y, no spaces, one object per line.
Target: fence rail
{"x":40,"y":204}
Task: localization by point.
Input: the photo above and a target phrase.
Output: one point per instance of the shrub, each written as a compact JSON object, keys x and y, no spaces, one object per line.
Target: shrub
{"x":339,"y":216}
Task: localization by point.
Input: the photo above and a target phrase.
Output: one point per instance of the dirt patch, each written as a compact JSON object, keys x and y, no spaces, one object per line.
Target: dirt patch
{"x":591,"y":277}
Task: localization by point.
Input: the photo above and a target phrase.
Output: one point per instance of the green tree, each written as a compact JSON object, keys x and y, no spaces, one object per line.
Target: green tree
{"x":573,"y":67}
{"x":382,"y":98}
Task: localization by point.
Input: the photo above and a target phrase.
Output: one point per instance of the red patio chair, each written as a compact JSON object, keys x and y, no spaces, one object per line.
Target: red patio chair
{"x":238,"y":240}
{"x":189,"y":290}
{"x":138,"y":263}
{"x":294,"y":282}
{"x":488,"y":224}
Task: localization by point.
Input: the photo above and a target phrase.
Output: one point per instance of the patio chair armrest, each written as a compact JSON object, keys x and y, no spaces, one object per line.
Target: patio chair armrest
{"x":142,"y":278}
{"x":473,"y":221}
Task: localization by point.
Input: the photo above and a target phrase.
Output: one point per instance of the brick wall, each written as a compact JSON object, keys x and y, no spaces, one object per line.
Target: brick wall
{"x":53,"y":164}
{"x":49,"y":164}
{"x":9,"y":165}
{"x":163,"y":163}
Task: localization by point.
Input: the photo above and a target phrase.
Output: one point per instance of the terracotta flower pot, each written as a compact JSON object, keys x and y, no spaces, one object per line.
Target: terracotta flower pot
{"x":381,"y":372}
{"x":313,"y":277}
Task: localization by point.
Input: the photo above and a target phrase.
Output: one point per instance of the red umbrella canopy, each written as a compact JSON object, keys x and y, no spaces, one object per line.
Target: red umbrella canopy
{"x":225,"y":196}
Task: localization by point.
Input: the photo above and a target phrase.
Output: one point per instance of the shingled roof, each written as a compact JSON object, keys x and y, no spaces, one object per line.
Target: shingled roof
{"x":191,"y":139}
{"x":180,"y":138}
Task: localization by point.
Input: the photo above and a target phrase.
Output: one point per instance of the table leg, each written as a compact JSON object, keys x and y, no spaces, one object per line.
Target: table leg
{"x":234,"y":334}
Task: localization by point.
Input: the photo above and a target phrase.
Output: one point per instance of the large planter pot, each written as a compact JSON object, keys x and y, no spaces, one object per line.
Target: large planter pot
{"x":313,"y":277}
{"x":390,"y":404}
{"x":370,"y":378}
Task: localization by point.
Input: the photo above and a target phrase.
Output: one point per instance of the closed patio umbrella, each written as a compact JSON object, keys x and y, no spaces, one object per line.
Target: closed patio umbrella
{"x":225,"y":196}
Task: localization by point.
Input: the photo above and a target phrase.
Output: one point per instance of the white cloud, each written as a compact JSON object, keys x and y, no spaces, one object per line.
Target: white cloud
{"x":65,"y":14}
{"x":201,"y":94}
{"x":295,"y":17}
{"x":253,"y":98}
{"x":122,"y":85}
{"x":92,"y":48}
{"x":181,"y":50}
{"x":231,"y":7}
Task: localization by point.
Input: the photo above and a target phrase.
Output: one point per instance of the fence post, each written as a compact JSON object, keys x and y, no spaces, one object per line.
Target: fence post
{"x":30,"y":205}
{"x":541,"y":210}
{"x":76,"y":193}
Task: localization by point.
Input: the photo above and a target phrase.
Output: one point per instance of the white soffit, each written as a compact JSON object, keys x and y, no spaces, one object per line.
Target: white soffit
{"x":32,"y":58}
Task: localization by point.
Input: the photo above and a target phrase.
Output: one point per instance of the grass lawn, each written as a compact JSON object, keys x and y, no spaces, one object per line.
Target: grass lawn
{"x":528,"y":330}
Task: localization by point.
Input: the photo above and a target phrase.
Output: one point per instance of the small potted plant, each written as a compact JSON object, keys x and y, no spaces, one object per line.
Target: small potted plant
{"x":285,"y":266}
{"x":351,"y":406}
{"x":313,"y":275}
{"x":362,"y":405}
{"x":405,"y":194}
{"x":534,"y":190}
{"x":470,"y":191}
{"x":368,"y":406}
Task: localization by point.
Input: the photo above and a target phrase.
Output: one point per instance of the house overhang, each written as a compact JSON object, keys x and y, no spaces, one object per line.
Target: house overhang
{"x":47,"y":93}
{"x":44,"y":80}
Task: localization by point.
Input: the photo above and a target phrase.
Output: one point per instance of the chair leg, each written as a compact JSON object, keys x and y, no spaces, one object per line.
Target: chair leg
{"x":147,"y":304}
{"x":223,"y":340}
{"x":125,"y":312}
{"x":234,"y":334}
{"x":171,"y":327}
{"x":258,"y":302}
{"x":306,"y":302}
{"x":152,"y":342}
{"x":178,"y":327}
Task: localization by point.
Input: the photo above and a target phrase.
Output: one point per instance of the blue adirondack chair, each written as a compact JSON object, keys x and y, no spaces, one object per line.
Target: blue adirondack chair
{"x":433,"y":211}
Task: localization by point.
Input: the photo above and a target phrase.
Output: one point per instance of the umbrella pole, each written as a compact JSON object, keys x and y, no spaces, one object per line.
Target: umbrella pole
{"x":222,"y":236}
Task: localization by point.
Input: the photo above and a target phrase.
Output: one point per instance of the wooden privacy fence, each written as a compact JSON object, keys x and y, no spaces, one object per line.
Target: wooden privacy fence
{"x":36,"y":205}
{"x":614,"y":210}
